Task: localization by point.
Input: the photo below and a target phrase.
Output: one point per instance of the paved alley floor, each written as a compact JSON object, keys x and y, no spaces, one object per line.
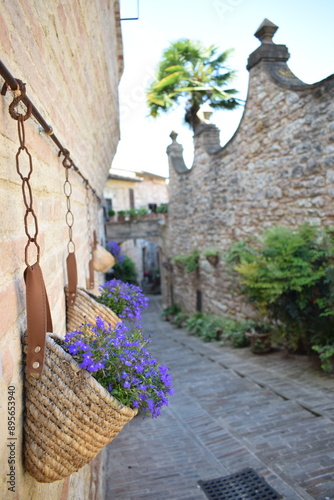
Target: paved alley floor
{"x":231,"y":410}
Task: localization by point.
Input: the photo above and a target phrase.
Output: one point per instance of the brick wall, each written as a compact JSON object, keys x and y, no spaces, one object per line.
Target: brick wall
{"x":277,"y":169}
{"x":69,"y":53}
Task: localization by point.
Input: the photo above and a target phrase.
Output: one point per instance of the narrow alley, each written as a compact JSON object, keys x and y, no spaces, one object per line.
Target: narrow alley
{"x":231,"y":410}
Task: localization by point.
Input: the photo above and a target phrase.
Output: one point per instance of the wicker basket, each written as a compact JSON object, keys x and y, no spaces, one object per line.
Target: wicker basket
{"x":85,"y":309}
{"x":102,"y":259}
{"x":69,"y":418}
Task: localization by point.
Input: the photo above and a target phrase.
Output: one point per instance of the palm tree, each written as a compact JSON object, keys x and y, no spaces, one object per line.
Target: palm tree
{"x":193,"y":74}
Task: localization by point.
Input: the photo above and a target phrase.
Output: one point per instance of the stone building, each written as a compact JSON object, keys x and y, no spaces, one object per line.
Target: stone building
{"x":126,"y":189}
{"x":70,"y":56}
{"x":278,"y":168}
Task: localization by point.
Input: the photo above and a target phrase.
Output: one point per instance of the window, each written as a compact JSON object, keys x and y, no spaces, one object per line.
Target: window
{"x":132,"y":198}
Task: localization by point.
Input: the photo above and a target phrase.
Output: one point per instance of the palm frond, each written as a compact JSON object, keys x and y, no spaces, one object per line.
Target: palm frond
{"x":167,"y":81}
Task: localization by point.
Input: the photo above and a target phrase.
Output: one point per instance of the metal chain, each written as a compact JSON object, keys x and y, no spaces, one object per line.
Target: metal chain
{"x":30,"y":219}
{"x":67,"y":163}
{"x":96,"y":220}
{"x":89,"y":229}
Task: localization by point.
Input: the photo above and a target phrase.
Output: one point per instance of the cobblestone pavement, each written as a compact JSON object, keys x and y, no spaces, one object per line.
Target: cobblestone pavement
{"x":231,"y":410}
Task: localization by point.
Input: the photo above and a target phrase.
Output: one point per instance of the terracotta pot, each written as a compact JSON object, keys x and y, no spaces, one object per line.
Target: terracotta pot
{"x":260,"y":343}
{"x":213,"y":259}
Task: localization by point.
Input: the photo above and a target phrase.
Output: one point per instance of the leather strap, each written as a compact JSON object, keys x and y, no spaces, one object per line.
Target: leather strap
{"x":91,"y":275}
{"x":94,"y":240}
{"x":72,"y":276}
{"x":38,"y":319}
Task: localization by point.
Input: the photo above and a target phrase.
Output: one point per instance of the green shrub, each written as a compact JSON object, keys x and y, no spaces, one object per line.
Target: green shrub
{"x":180,"y":319}
{"x":162,"y":209}
{"x":172,"y":310}
{"x":289,"y":277}
{"x":211,"y":252}
{"x":125,"y":271}
{"x":142,"y":211}
{"x":233,"y":332}
{"x":326,"y":355}
{"x":189,"y":262}
{"x":196,"y":322}
{"x":212,"y":328}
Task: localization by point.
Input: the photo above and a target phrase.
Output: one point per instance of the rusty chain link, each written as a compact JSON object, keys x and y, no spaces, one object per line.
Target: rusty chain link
{"x":89,"y":229}
{"x":30,"y":219}
{"x":67,"y":187}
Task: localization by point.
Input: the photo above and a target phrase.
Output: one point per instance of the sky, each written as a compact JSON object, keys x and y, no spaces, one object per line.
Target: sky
{"x":305,"y":27}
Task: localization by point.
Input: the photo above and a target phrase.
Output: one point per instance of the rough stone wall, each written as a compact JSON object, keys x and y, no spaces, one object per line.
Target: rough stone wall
{"x":277,"y":169}
{"x":69,"y":53}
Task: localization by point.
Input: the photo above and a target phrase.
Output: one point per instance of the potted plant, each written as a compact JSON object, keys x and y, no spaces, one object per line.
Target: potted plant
{"x":178,"y":260}
{"x":189,"y":262}
{"x":111,"y":214}
{"x":142,"y":211}
{"x":168,"y":265}
{"x":121,"y":215}
{"x":259,"y":335}
{"x":132,"y":213}
{"x":162,"y":209}
{"x":212,"y":256}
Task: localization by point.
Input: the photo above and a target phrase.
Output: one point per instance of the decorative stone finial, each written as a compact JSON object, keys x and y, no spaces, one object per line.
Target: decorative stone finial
{"x":204,"y":113}
{"x":268,"y":50}
{"x":266,"y":31}
{"x":173,"y":135}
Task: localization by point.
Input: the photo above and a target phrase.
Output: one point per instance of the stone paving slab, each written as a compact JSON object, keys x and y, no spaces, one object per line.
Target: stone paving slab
{"x":231,"y":410}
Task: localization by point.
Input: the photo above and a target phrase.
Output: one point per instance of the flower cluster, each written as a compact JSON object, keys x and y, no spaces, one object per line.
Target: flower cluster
{"x":119,"y":361}
{"x":125,"y":300}
{"x":114,"y":248}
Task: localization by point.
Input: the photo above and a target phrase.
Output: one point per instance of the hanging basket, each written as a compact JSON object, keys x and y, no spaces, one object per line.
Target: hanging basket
{"x":85,"y":309}
{"x":213,"y":259}
{"x":102,"y":259}
{"x":69,"y":417}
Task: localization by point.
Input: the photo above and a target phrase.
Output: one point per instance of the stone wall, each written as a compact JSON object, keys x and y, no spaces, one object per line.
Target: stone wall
{"x":278,"y":168}
{"x":69,"y":53}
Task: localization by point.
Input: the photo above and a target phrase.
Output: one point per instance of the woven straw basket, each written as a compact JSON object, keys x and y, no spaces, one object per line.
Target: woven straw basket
{"x":102,"y":259}
{"x":70,"y":417}
{"x":85,"y":309}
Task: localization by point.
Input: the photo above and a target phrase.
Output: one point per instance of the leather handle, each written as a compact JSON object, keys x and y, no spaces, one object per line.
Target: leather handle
{"x":72,"y":276}
{"x":38,"y":319}
{"x":91,"y":274}
{"x":94,"y":240}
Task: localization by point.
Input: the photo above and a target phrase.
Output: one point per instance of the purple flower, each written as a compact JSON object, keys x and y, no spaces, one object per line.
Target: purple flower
{"x":118,"y":359}
{"x":126,"y":300}
{"x":114,"y":248}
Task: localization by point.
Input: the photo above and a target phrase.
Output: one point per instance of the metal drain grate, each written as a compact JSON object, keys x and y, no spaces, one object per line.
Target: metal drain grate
{"x":243,"y":485}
